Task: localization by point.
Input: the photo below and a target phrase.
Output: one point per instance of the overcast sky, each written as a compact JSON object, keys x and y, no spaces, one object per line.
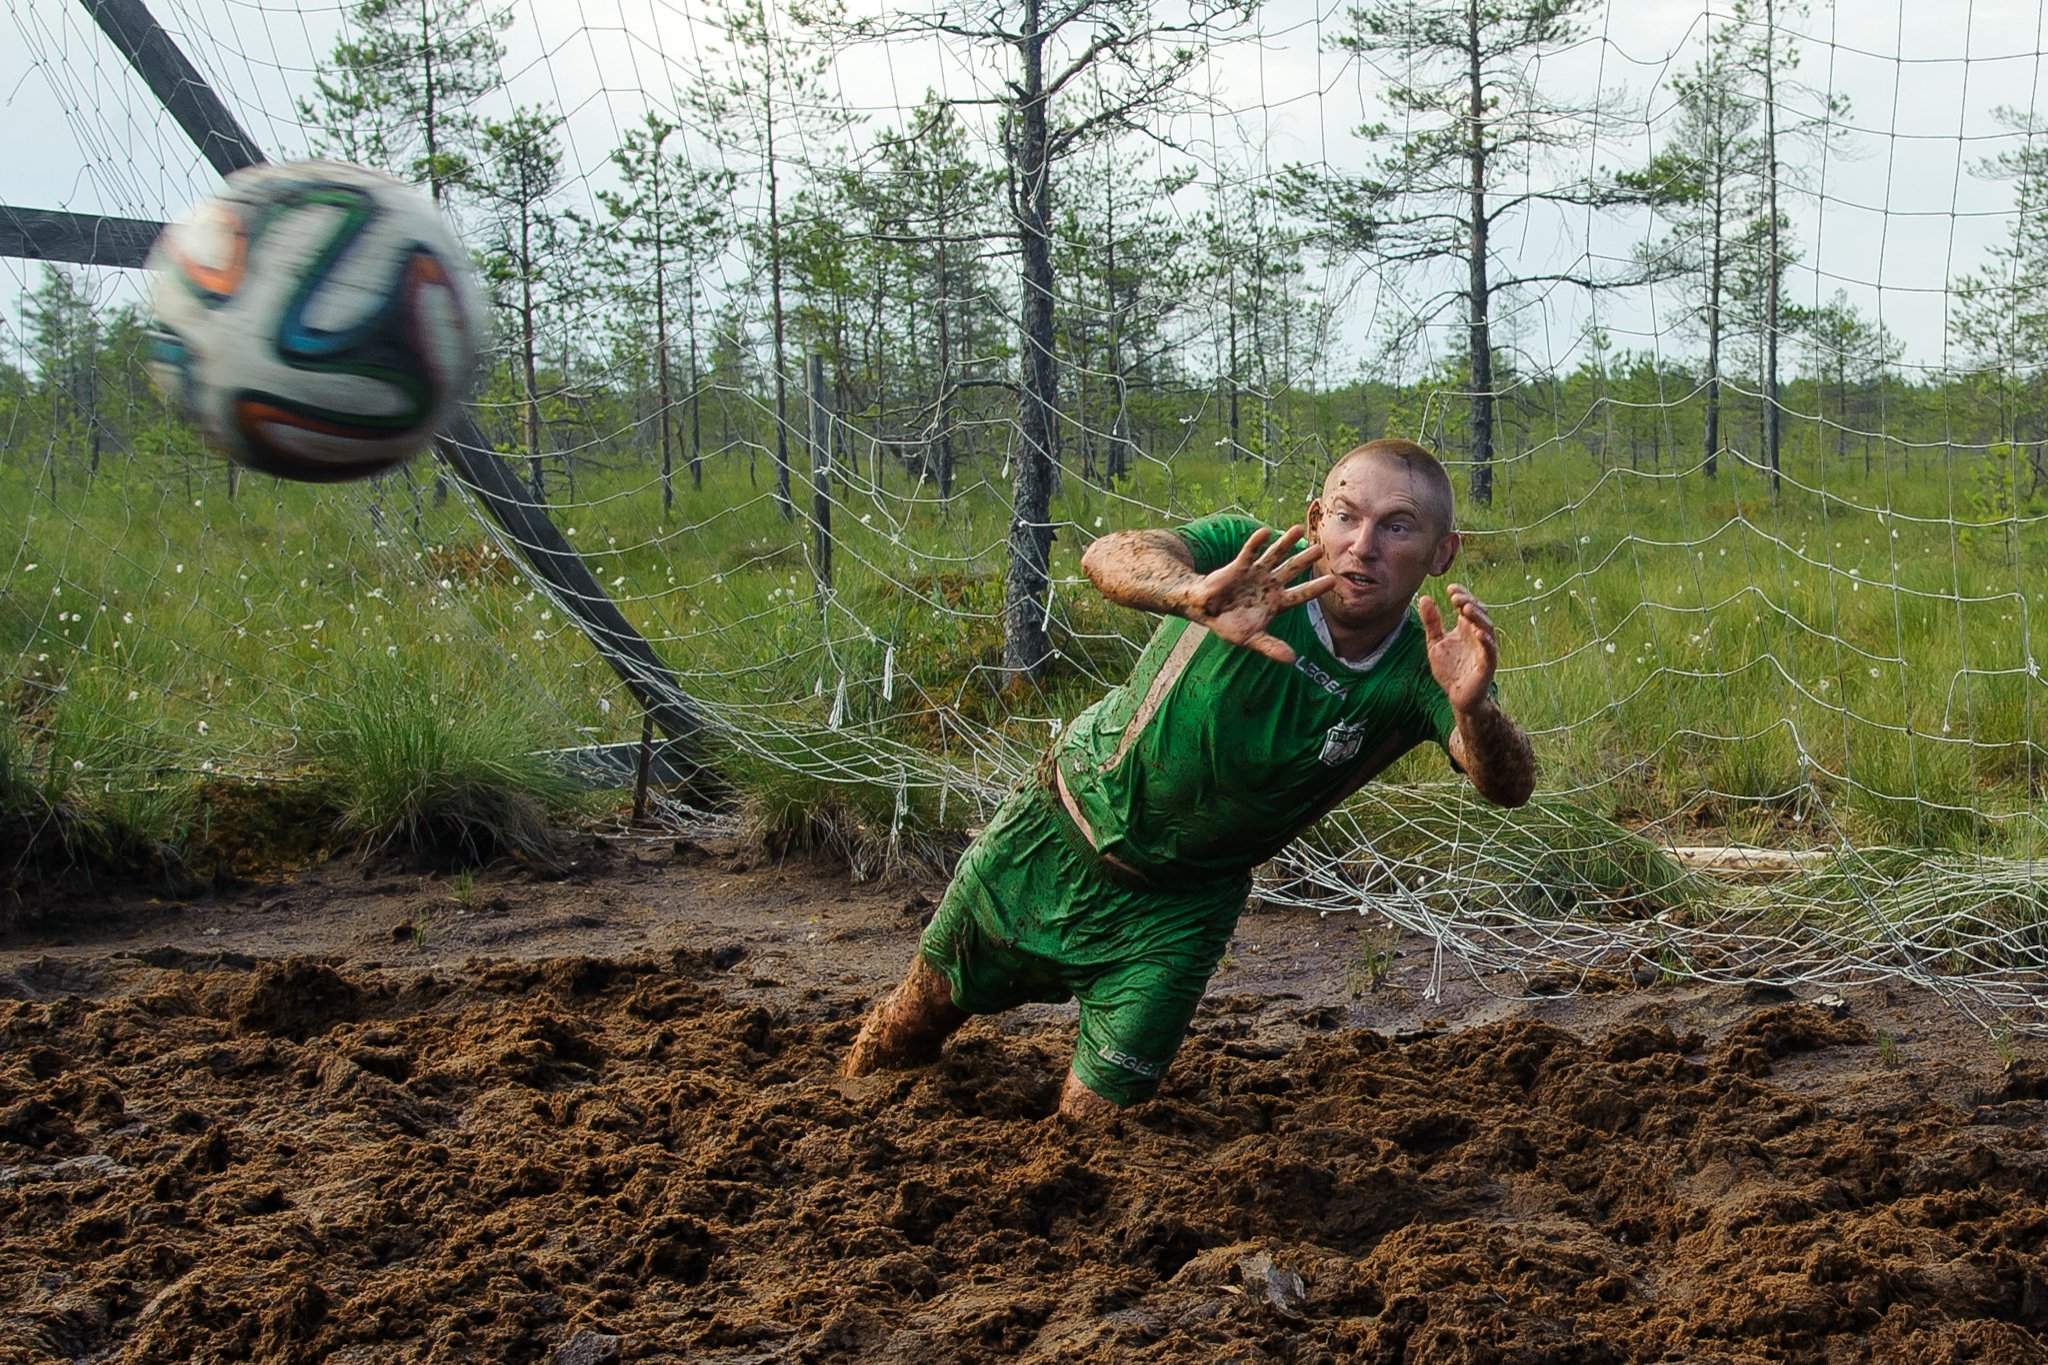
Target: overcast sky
{"x":1892,"y":216}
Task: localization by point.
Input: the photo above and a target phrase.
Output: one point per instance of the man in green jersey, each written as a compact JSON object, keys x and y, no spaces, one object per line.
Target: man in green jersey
{"x":1116,"y":875}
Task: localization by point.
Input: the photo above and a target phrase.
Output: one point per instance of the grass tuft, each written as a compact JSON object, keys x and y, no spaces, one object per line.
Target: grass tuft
{"x":785,"y":811}
{"x":411,"y":763}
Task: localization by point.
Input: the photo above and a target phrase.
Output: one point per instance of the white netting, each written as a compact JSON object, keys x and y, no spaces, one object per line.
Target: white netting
{"x":1807,"y":629}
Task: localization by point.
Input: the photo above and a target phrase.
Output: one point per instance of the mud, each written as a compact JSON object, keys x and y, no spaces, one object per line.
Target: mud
{"x":583,"y":1159}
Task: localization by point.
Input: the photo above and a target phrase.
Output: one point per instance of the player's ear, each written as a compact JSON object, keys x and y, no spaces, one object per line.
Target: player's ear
{"x":1446,"y":553}
{"x":1315,"y":517}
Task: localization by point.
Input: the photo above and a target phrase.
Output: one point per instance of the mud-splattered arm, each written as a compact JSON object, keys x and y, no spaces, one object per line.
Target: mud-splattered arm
{"x":1495,"y":754}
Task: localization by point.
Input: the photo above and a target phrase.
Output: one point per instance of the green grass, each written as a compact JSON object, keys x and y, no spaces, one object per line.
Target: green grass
{"x":413,"y":761}
{"x":1695,"y":657}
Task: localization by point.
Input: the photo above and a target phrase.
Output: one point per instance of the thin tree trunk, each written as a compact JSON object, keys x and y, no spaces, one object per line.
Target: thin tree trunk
{"x":782,"y":498}
{"x":1841,"y":410}
{"x":1482,"y":343}
{"x":1713,"y":435}
{"x":696,"y":389}
{"x":946,"y":385}
{"x":1236,"y":429}
{"x":1025,"y":640}
{"x":526,"y":353}
{"x":1772,"y":267}
{"x":661,"y":389}
{"x":430,"y":129}
{"x":93,"y":433}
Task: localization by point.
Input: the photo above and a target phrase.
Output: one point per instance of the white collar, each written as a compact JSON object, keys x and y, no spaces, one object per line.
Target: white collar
{"x":1315,"y":616}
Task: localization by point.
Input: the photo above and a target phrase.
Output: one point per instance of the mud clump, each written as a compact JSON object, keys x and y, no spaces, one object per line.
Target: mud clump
{"x":1772,"y":1034}
{"x":593,"y":1160}
{"x":293,"y":999}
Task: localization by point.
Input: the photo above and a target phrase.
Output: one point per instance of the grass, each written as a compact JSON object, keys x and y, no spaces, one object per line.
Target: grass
{"x":1843,"y":661}
{"x":413,"y":762}
{"x":1374,"y":960}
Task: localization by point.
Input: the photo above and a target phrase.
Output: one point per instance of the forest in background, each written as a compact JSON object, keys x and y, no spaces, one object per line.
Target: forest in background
{"x":1028,"y":332}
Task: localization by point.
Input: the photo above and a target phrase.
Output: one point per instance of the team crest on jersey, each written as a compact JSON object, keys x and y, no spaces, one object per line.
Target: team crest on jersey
{"x":1343,"y":742}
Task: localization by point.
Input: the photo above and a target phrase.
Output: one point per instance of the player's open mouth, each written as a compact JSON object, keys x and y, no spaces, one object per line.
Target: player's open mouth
{"x":1359,"y":580}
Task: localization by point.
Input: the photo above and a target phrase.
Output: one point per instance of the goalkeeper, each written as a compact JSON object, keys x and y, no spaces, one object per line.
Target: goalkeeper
{"x":1264,"y":698}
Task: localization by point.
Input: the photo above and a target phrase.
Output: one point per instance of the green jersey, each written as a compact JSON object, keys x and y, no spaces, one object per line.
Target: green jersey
{"x":1211,"y":758}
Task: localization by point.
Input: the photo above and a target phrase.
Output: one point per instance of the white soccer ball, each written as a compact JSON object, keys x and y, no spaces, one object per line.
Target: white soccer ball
{"x":316,"y":321}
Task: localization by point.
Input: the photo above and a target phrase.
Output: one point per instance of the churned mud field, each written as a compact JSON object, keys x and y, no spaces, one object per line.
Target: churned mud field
{"x":365,"y":1154}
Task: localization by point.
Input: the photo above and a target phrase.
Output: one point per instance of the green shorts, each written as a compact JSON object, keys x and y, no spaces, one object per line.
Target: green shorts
{"x":1030,"y":916}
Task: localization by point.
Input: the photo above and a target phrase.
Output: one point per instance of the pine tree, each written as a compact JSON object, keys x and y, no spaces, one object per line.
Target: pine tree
{"x":766,"y":105}
{"x":519,"y":173}
{"x":1697,"y":184}
{"x":2001,"y":308}
{"x":1475,"y":142}
{"x":1078,"y":73}
{"x":661,"y":232}
{"x":1763,"y":56}
{"x":398,"y":90}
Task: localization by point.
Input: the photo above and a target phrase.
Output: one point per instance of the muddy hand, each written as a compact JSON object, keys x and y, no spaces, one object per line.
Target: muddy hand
{"x":1240,"y":600}
{"x":1461,"y":659}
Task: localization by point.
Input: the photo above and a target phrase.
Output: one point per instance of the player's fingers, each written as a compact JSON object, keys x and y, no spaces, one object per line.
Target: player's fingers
{"x":1273,"y":647}
{"x":1279,"y":548}
{"x":1315,"y":587}
{"x":1301,"y":560}
{"x":1252,"y":544}
{"x":1476,"y":614}
{"x":1432,"y":618}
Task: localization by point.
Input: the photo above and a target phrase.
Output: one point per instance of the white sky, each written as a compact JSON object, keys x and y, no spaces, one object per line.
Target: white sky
{"x":1895,"y":217}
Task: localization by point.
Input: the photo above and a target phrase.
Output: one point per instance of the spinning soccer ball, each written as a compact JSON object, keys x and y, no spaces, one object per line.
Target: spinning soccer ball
{"x":317,"y":321}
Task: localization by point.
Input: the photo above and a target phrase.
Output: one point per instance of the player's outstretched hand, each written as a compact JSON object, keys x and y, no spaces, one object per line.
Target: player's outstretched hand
{"x":1239,"y":600}
{"x":1462,"y":659}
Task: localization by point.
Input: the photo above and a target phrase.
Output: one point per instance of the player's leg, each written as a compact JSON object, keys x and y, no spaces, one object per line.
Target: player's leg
{"x":974,"y":957}
{"x":910,"y":1026}
{"x":1079,"y":1104}
{"x":1133,"y":1017}
{"x":960,"y":968}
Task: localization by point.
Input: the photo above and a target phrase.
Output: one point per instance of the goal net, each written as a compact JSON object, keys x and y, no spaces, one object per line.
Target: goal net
{"x":830,"y":337}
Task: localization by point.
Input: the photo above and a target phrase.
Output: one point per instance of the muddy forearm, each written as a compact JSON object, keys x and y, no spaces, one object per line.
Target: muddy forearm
{"x":1496,"y":755}
{"x":1148,"y":570}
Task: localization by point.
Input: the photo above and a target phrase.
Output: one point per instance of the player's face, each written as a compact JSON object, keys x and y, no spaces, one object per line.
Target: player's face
{"x":1379,"y":536}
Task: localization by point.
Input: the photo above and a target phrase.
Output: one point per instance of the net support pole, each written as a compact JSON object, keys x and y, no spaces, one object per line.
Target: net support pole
{"x":214,"y":130}
{"x":821,"y":475}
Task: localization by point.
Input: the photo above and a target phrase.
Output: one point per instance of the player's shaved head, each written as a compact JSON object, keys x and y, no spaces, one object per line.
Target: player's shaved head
{"x":1431,"y":485}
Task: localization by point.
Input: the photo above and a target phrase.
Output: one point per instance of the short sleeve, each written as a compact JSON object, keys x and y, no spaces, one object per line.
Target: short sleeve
{"x":1438,"y":722}
{"x":1214,"y":540}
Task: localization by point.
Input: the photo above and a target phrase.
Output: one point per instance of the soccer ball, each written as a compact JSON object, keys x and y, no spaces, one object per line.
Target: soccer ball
{"x":316,"y":321}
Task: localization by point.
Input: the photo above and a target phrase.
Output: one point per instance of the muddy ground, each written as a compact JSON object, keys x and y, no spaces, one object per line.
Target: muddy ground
{"x":371,"y":1115}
